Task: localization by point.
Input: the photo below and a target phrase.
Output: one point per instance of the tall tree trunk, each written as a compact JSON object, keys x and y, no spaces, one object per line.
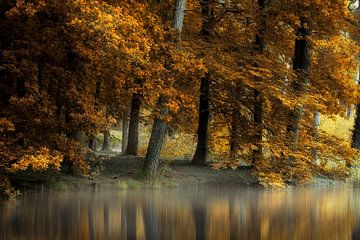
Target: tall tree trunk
{"x":258,"y":99}
{"x":201,"y":152}
{"x":356,"y":132}
{"x":133,"y":138}
{"x":258,"y":120}
{"x":234,"y":135}
{"x":355,"y":141}
{"x":207,"y":30}
{"x":125,"y":133}
{"x":301,"y":64}
{"x":316,"y":136}
{"x":157,"y":137}
{"x":106,"y":142}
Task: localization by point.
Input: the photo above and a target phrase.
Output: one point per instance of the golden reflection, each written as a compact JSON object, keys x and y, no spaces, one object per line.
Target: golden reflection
{"x":173,"y":214}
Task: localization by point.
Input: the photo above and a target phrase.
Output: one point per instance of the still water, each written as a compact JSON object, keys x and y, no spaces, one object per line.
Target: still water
{"x":210,"y":213}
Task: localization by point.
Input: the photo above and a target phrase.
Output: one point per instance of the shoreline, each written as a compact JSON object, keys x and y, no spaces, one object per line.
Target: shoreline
{"x":122,"y":172}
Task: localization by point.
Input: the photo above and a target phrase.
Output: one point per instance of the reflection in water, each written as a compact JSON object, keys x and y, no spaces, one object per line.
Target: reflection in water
{"x":184,"y":214}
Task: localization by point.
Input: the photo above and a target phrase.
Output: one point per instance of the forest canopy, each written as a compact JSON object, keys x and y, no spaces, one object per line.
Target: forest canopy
{"x":248,"y":79}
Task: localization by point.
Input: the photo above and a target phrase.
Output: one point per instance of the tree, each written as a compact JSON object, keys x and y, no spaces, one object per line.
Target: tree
{"x":159,"y":127}
{"x":207,"y":30}
{"x":133,"y":136}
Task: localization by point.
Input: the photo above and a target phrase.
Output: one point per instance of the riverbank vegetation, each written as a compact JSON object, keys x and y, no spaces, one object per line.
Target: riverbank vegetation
{"x":225,"y":83}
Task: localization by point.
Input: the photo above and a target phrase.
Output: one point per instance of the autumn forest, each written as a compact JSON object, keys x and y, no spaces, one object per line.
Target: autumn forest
{"x":246,"y":82}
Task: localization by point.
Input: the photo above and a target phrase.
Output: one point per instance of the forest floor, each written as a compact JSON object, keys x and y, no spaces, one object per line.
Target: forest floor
{"x":116,"y":171}
{"x":113,"y":171}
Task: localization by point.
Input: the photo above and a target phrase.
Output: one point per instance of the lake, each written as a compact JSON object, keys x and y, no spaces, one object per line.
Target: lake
{"x":207,"y":213}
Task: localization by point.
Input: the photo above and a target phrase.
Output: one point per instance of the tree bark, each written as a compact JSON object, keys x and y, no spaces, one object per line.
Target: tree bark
{"x":93,"y":142}
{"x":316,"y":136}
{"x":201,"y":153}
{"x":106,"y":142}
{"x":179,"y":11}
{"x":157,"y":137}
{"x":356,"y":132}
{"x":301,"y":63}
{"x":125,"y":133}
{"x":355,"y":140}
{"x":207,"y":30}
{"x":258,"y":120}
{"x":258,"y":99}
{"x":133,"y":138}
{"x":234,"y":135}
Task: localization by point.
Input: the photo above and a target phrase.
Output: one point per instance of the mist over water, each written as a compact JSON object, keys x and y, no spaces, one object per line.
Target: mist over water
{"x":211,"y":213}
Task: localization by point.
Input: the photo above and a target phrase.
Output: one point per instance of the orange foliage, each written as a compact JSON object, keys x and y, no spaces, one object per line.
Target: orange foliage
{"x":69,"y":66}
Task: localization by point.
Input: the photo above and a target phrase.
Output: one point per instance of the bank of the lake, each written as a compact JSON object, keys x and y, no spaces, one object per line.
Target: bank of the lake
{"x":116,"y":171}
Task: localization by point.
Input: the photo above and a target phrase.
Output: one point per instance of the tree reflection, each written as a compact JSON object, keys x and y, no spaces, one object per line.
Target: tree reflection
{"x":172,"y":214}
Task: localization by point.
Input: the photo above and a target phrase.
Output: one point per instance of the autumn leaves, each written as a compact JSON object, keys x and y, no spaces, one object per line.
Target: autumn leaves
{"x":74,"y":66}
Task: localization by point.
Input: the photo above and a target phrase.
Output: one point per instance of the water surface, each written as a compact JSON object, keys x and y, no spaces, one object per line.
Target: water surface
{"x":211,"y":213}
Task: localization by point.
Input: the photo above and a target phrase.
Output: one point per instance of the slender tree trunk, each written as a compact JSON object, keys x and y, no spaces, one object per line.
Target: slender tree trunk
{"x":301,"y":63}
{"x":92,"y":142}
{"x":234,"y":135}
{"x":201,"y":152}
{"x":316,"y":135}
{"x":133,"y":138}
{"x":125,"y":133}
{"x":258,"y":120}
{"x":356,"y":132}
{"x":349,"y":111}
{"x":106,"y":142}
{"x":258,"y":99}
{"x":157,"y":137}
{"x":355,"y":141}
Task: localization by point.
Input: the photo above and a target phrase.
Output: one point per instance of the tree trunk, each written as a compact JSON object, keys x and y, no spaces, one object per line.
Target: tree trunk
{"x":157,"y":137}
{"x":92,"y":142}
{"x":234,"y":135}
{"x":258,"y":120}
{"x":201,"y":152}
{"x":349,"y":111}
{"x":76,"y":135}
{"x":179,"y":11}
{"x":356,"y":132}
{"x":106,"y":142}
{"x":316,"y":136}
{"x":133,"y":138}
{"x":125,"y":133}
{"x":301,"y":63}
{"x":258,"y":99}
